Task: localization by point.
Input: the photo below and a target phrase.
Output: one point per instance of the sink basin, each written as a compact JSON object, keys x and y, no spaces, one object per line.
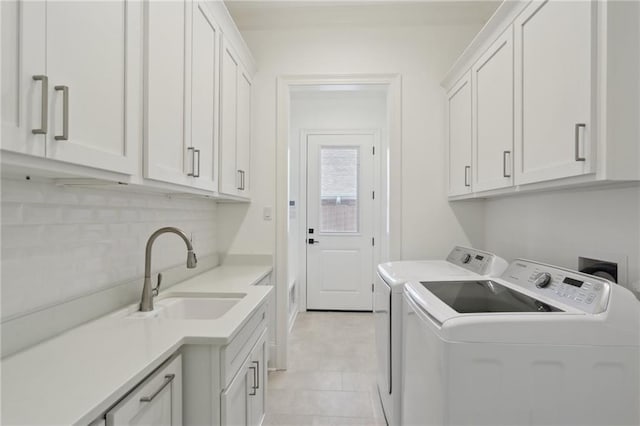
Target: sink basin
{"x":189,"y":308}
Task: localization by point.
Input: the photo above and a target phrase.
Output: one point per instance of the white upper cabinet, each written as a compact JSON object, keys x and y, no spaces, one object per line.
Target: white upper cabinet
{"x":229,"y":181}
{"x":71,"y":87}
{"x":235,"y":132}
{"x":555,"y":100}
{"x":204,"y":96}
{"x":243,"y":150}
{"x":182,"y":94}
{"x":165,"y":136}
{"x":553,"y":131}
{"x":492,"y":82}
{"x":459,"y":130}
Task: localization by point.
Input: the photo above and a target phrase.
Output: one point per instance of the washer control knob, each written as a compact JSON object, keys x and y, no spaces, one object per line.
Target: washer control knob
{"x":542,"y":280}
{"x":466,"y":258}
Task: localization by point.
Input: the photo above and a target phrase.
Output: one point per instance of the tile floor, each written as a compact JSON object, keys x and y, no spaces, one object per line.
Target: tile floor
{"x":331,"y":374}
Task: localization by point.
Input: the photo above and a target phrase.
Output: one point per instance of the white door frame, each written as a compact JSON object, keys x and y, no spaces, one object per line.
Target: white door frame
{"x":302,"y":203}
{"x":391,"y":183}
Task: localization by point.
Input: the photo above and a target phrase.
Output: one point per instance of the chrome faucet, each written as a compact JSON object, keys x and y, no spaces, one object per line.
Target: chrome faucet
{"x":146,"y":304}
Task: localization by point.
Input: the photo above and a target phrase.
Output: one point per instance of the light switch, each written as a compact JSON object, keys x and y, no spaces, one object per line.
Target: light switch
{"x":266,"y":213}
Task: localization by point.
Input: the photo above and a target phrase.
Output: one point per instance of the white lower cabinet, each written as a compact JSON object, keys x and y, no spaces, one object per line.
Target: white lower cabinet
{"x":243,"y":401}
{"x":226,"y":385}
{"x":155,"y":401}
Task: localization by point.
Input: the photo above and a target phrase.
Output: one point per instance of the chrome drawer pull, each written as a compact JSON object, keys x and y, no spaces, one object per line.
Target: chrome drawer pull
{"x":504,"y":164}
{"x":167,"y":379}
{"x":257,"y":363}
{"x":253,"y":387}
{"x":467,"y":169}
{"x":577,"y":137}
{"x":65,"y":113}
{"x":44,"y":108}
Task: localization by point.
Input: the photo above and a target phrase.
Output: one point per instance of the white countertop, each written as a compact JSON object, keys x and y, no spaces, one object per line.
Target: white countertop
{"x":74,"y":377}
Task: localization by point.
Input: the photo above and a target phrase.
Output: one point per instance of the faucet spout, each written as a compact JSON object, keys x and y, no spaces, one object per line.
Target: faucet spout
{"x":146,"y":303}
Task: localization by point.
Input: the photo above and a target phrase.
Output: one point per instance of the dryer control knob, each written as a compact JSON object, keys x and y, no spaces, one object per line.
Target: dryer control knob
{"x":466,"y":258}
{"x":542,"y":280}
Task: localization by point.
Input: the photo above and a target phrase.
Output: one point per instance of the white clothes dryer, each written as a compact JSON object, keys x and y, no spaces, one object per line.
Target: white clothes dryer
{"x":461,"y":263}
{"x":541,"y":345}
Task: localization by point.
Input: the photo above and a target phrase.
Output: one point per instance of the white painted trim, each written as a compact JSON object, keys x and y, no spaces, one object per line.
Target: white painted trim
{"x":392,"y":156}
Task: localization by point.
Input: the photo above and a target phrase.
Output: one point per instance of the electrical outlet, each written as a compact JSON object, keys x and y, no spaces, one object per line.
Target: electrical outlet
{"x":266,"y":213}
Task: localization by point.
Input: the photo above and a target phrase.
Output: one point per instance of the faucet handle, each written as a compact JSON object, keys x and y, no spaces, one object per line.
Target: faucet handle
{"x":156,"y":290}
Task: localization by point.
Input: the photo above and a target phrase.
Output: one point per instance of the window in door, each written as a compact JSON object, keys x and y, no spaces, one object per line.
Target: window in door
{"x":339,"y":189}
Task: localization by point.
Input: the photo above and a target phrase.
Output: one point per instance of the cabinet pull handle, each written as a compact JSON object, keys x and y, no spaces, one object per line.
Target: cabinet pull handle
{"x":197,"y":151}
{"x":193,"y":161}
{"x":577,"y":137}
{"x":240,"y":175}
{"x":504,"y":164}
{"x":44,"y":108}
{"x":257,"y":363}
{"x":65,"y":113}
{"x":253,"y":387}
{"x":467,"y":169}
{"x":167,"y":379}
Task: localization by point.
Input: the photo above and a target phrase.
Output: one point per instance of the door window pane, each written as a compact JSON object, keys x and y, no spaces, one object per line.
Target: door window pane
{"x":339,"y":189}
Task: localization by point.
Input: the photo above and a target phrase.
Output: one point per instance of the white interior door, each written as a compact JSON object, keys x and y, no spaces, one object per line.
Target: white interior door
{"x":340,"y":186}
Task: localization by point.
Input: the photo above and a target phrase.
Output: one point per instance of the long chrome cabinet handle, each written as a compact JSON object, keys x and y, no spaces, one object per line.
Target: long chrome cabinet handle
{"x":44,"y":109}
{"x":167,"y":379}
{"x":193,"y":161}
{"x":197,"y":151}
{"x":577,"y":137}
{"x":504,"y":164}
{"x":257,"y":363}
{"x":467,"y":169}
{"x":243,"y":175}
{"x":253,"y":387}
{"x":240,"y":179}
{"x":65,"y":113}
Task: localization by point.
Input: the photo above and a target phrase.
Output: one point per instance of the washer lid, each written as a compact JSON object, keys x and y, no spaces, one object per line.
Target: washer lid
{"x":472,"y":297}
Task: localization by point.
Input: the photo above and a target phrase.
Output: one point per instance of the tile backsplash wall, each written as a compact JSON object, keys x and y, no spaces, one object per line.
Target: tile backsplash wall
{"x":60,"y":242}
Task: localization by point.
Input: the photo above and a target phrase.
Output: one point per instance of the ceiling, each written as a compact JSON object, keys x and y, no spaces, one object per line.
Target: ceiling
{"x":272,"y":14}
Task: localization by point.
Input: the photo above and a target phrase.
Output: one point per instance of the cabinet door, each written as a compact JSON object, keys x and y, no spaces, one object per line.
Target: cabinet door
{"x":92,"y":57}
{"x":156,"y":401}
{"x":492,"y":82}
{"x":23,"y":57}
{"x":234,"y":402}
{"x":204,"y":92}
{"x":228,"y":121}
{"x":459,"y":103}
{"x":243,"y":154}
{"x":257,"y":396}
{"x":167,"y":157}
{"x":553,"y":50}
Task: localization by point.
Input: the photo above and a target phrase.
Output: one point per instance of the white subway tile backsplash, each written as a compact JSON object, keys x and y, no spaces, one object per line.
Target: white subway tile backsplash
{"x":60,"y":243}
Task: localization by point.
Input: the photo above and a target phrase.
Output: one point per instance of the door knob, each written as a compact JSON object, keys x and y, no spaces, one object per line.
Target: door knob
{"x":312,"y":241}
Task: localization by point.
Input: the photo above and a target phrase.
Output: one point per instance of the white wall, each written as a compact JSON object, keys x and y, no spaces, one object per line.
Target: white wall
{"x":60,"y":243}
{"x":422,"y":55}
{"x":557,"y":227}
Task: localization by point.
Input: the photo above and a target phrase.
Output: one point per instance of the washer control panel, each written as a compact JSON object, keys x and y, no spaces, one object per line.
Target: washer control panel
{"x":473,"y":260}
{"x":584,"y":292}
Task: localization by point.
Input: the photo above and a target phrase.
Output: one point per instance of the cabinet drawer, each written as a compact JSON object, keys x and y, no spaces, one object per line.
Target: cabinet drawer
{"x":234,"y":354}
{"x":156,"y":400}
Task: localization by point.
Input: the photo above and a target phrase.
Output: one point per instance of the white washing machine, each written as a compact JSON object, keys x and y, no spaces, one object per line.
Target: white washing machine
{"x":461,"y":263}
{"x":540,"y":345}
